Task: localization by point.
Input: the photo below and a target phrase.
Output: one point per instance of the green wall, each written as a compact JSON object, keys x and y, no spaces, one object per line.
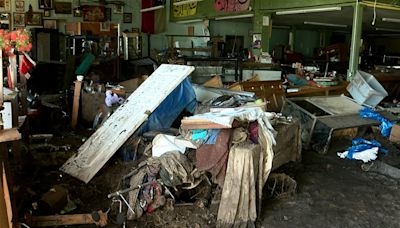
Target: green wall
{"x":130,"y":7}
{"x":205,"y":10}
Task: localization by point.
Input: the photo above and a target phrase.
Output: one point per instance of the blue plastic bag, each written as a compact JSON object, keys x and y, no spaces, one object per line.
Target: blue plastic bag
{"x":360,"y":144}
{"x":386,"y":125}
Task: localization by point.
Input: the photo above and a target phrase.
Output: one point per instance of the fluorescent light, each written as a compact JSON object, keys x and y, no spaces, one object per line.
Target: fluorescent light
{"x":324,"y":24}
{"x":152,"y":8}
{"x":312,"y":10}
{"x":189,"y":21}
{"x":234,"y":17}
{"x":396,"y":20}
{"x":186,"y":2}
{"x":387,"y":29}
{"x":280,"y":27}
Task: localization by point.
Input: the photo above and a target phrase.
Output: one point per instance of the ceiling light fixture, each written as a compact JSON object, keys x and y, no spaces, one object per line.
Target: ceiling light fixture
{"x":151,"y":8}
{"x":312,"y":10}
{"x":235,"y":17}
{"x":324,"y":24}
{"x":189,"y":21}
{"x":395,"y":20}
{"x":186,"y":2}
{"x":387,"y":29}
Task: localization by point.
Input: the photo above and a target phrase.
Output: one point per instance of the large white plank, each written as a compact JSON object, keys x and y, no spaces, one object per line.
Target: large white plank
{"x":99,"y":148}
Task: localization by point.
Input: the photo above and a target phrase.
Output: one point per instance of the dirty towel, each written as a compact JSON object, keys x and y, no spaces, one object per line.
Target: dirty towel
{"x":213,"y":157}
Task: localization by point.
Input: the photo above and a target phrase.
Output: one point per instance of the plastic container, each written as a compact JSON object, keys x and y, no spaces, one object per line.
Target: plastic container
{"x":366,"y":90}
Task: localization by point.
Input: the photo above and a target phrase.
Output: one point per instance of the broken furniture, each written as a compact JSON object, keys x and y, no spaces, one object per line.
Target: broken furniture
{"x":321,"y":116}
{"x":227,"y":68}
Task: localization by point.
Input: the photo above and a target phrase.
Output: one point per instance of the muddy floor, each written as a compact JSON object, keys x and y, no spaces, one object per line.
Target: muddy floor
{"x":331,"y":192}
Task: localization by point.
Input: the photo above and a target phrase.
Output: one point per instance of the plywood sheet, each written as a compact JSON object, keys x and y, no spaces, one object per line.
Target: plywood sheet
{"x":99,"y":148}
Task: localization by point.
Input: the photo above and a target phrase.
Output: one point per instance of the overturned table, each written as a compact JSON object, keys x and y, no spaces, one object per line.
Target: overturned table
{"x":321,"y":116}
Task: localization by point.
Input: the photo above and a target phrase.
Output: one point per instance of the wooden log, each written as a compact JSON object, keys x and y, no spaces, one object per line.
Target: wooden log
{"x":201,"y":124}
{"x":75,"y":107}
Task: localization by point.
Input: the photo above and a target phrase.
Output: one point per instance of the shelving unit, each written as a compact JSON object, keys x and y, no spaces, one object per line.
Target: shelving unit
{"x":211,"y":50}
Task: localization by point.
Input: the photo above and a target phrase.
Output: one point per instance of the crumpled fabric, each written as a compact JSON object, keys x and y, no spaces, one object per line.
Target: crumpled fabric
{"x":386,"y":125}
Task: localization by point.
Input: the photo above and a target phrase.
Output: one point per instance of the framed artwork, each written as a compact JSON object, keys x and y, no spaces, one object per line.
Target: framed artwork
{"x":45,"y":4}
{"x":50,"y":24}
{"x":63,"y":7}
{"x":93,"y":13}
{"x":19,"y":6}
{"x":108,"y":14}
{"x":5,"y":20}
{"x":118,"y":9}
{"x":5,"y":5}
{"x":19,"y":19}
{"x":34,"y":18}
{"x":127,"y":17}
{"x":105,"y":27}
{"x":46,"y":13}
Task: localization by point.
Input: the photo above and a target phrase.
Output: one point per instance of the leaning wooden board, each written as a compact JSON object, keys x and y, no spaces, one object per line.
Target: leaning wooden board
{"x":99,"y":148}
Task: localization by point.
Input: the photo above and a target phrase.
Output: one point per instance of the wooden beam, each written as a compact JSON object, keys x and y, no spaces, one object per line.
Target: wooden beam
{"x":75,"y":107}
{"x":99,"y":219}
{"x":99,"y":148}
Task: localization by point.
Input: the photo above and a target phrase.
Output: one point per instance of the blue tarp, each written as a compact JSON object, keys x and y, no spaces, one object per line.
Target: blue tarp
{"x":181,"y":98}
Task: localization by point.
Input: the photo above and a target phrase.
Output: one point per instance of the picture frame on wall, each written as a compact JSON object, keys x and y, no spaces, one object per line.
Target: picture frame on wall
{"x":119,"y":9}
{"x":46,"y":13}
{"x":108,"y":14}
{"x":45,"y":4}
{"x":50,"y":24}
{"x":19,"y":6}
{"x":5,"y":20}
{"x":19,"y":19}
{"x":5,"y":5}
{"x":34,"y":18}
{"x":105,"y":27}
{"x":127,"y":18}
{"x":63,"y":7}
{"x":93,"y":13}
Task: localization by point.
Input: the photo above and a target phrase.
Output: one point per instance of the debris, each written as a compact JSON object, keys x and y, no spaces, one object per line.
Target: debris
{"x":112,"y":98}
{"x":395,"y":134}
{"x":280,"y":185}
{"x":165,"y":143}
{"x":204,"y":94}
{"x":382,"y":168}
{"x":97,"y":217}
{"x":215,"y":82}
{"x":99,"y":148}
{"x":53,"y":201}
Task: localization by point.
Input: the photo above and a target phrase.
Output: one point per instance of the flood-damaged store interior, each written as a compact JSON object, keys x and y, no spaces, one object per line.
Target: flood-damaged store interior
{"x":199,"y":113}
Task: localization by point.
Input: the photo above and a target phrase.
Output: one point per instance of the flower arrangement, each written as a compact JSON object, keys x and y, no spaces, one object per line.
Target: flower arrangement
{"x":19,"y":40}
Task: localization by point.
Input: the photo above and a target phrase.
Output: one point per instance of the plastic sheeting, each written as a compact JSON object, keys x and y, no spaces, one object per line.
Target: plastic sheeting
{"x":386,"y":125}
{"x":183,"y":97}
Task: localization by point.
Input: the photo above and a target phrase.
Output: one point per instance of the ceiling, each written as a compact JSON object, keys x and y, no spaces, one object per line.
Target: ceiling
{"x":342,"y":17}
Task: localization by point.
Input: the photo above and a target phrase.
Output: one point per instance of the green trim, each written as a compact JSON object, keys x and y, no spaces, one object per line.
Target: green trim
{"x":355,"y":41}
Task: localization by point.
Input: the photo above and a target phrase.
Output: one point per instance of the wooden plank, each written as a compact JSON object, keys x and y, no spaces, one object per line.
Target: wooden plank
{"x":9,"y":135}
{"x":60,"y":220}
{"x":201,"y":124}
{"x":215,"y":82}
{"x":75,"y":107}
{"x":99,"y":148}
